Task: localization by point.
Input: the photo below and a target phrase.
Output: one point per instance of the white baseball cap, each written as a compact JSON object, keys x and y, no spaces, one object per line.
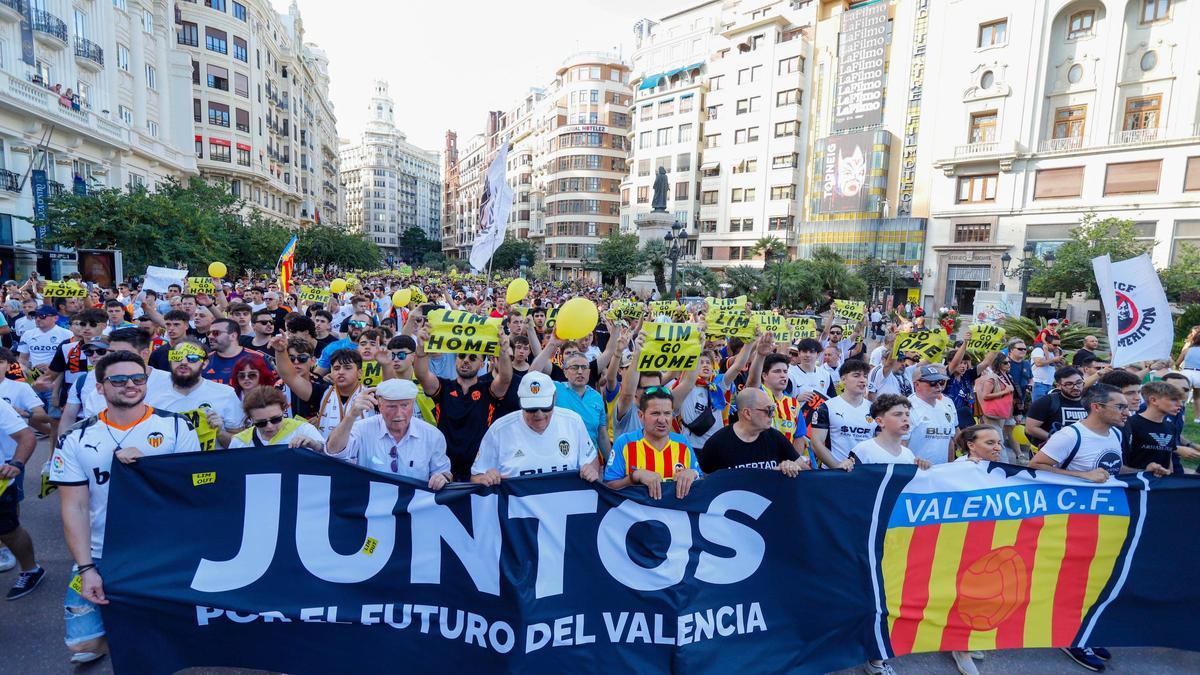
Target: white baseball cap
{"x":396,"y":390}
{"x":536,"y":390}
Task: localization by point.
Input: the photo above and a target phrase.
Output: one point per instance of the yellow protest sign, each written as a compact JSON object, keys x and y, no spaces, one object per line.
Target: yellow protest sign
{"x":63,"y":289}
{"x":985,"y":337}
{"x":668,"y":308}
{"x":802,"y":328}
{"x":371,"y":374}
{"x":418,"y":296}
{"x":770,"y":322}
{"x":850,"y":310}
{"x":458,"y":332}
{"x":730,"y":324}
{"x":197,"y":285}
{"x":726,"y":304}
{"x":204,"y":431}
{"x":551,"y":318}
{"x":626,"y":310}
{"x":930,"y":344}
{"x":669,"y":346}
{"x":314,"y":294}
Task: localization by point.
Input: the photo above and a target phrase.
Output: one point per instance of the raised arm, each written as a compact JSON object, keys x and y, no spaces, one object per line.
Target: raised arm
{"x":542,"y":361}
{"x":504,"y":371}
{"x":428,"y":381}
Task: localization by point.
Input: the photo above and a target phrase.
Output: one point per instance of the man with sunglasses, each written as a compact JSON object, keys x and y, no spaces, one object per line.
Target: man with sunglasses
{"x":752,"y":442}
{"x":38,"y":348}
{"x":394,"y":441}
{"x":466,"y":404}
{"x":225,"y":352}
{"x":933,"y":418}
{"x":263,"y":324}
{"x":213,"y":408}
{"x":81,"y":467}
{"x":69,"y":361}
{"x":302,"y":388}
{"x":538,"y":439}
{"x":402,"y":349}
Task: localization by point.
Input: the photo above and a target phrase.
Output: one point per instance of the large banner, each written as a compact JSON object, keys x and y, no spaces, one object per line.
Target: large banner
{"x":294,"y":562}
{"x":862,"y":57}
{"x":1139,"y":316}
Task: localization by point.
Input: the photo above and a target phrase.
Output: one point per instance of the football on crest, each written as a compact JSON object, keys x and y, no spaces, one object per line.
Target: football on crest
{"x":992,"y":588}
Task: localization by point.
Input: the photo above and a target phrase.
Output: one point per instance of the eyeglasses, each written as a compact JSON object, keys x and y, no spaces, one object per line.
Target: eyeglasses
{"x":1071,"y":383}
{"x":578,"y":366}
{"x":122,"y":380}
{"x":248,"y":375}
{"x":259,"y":424}
{"x":538,"y":410}
{"x":1119,"y":407}
{"x":400,"y":355}
{"x":299,"y":358}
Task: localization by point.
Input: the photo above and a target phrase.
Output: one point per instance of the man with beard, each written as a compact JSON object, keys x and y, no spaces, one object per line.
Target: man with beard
{"x":81,"y":466}
{"x":466,"y":403}
{"x":213,"y":408}
{"x":227,"y":352}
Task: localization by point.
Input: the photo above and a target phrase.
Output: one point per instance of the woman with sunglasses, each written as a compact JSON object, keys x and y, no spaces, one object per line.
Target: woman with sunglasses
{"x":265,"y":409}
{"x":251,"y":373}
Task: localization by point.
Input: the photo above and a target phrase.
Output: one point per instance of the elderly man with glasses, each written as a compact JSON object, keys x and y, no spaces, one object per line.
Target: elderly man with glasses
{"x":752,"y":442}
{"x":933,"y":418}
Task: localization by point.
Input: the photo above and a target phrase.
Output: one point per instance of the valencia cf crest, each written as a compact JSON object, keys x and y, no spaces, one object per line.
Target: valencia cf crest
{"x":679,"y":467}
{"x":563,"y":446}
{"x":534,"y":388}
{"x":155,"y":439}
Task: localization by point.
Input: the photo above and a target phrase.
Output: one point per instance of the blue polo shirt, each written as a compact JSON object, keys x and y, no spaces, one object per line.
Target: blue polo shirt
{"x":344,"y":343}
{"x":590,"y":407}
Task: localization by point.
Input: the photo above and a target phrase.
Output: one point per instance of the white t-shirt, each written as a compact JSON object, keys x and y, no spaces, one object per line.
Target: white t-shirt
{"x":41,"y":345}
{"x":10,"y":423}
{"x":1041,"y":374}
{"x":870,"y":452}
{"x":899,"y":382}
{"x":876,"y":358}
{"x":1094,"y":450}
{"x":19,"y":394}
{"x":23,"y":324}
{"x":848,"y":425}
{"x":692,"y":406}
{"x":194,"y":405}
{"x":84,"y":456}
{"x":90,"y":401}
{"x":513,"y":449}
{"x":932,"y":427}
{"x":802,"y":381}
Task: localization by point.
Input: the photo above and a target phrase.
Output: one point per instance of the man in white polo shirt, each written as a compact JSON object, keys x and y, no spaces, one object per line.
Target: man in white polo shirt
{"x":393,"y":441}
{"x":539,"y":438}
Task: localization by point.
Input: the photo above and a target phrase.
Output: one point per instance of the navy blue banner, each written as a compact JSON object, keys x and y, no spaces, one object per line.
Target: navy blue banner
{"x":284,"y":560}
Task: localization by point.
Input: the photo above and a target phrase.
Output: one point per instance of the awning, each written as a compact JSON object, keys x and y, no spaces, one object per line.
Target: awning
{"x":651,"y":81}
{"x":243,"y":146}
{"x":709,"y":165}
{"x":684,"y":69}
{"x":219,"y":141}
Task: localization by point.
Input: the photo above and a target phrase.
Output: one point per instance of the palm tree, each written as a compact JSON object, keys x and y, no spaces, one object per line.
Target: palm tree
{"x":771,"y":248}
{"x":654,"y":255}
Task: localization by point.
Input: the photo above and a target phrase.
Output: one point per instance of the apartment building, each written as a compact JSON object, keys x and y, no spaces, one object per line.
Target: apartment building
{"x":92,"y":95}
{"x":1052,"y":110}
{"x":390,"y":184}
{"x":260,"y":105}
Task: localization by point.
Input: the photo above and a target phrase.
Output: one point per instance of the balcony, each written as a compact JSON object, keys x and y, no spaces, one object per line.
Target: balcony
{"x":1121,"y":140}
{"x":57,"y":189}
{"x":1137,"y":136}
{"x":49,"y":29}
{"x":1068,"y":144}
{"x":9,"y":181}
{"x":12,"y":10}
{"x":996,"y":153}
{"x":89,"y":55}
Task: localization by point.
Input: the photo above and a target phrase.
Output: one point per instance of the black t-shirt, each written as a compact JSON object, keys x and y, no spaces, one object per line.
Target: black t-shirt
{"x":1056,"y":412}
{"x":246,"y":341}
{"x":1079,"y":356}
{"x":279,"y":314}
{"x":725,"y":450}
{"x":1148,"y":441}
{"x":324,"y":342}
{"x":511,"y":402}
{"x":312,"y":407}
{"x":158,"y":358}
{"x":463,"y":418}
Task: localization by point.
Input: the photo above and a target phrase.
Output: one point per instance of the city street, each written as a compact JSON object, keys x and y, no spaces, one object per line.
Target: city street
{"x":31,"y":628}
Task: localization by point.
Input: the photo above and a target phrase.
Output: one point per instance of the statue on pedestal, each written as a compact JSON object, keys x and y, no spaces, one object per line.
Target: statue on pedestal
{"x":659,"y":203}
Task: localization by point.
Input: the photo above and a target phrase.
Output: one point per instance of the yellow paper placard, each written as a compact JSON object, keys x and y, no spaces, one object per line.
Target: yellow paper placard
{"x":626,"y":310}
{"x":197,"y":285}
{"x":930,"y":344}
{"x":206,"y":478}
{"x":726,"y":304}
{"x":63,"y":289}
{"x":459,"y":332}
{"x":669,"y":308}
{"x":985,"y":337}
{"x":76,"y":584}
{"x":730,"y":324}
{"x":314,"y":294}
{"x":802,"y":328}
{"x":371,"y":544}
{"x":850,"y":310}
{"x":669,"y":346}
{"x":770,"y":322}
{"x":204,"y":431}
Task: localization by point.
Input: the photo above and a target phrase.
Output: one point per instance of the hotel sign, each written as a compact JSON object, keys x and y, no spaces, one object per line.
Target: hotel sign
{"x":862,"y":56}
{"x":587,"y":129}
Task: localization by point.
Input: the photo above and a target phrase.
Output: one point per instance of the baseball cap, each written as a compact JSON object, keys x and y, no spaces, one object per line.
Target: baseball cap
{"x":1052,"y":321}
{"x":97,"y":342}
{"x":536,"y":391}
{"x":46,"y":310}
{"x":931,"y":374}
{"x":396,"y":390}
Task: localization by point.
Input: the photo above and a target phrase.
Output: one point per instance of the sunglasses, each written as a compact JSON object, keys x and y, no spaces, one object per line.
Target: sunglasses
{"x":121,"y":380}
{"x":94,"y":351}
{"x":358,"y":324}
{"x":248,"y":375}
{"x":265,"y":322}
{"x":216,"y":333}
{"x":656,"y":389}
{"x":81,"y":324}
{"x":299,"y":358}
{"x":259,"y":424}
{"x":190,"y":358}
{"x":400,"y":356}
{"x":538,"y":410}
{"x":468,"y":357}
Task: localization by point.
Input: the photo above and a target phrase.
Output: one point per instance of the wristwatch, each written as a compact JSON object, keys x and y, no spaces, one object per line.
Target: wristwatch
{"x":17,"y":463}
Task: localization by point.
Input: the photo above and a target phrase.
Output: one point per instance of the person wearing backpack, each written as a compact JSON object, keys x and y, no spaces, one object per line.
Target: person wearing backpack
{"x":1090,"y":449}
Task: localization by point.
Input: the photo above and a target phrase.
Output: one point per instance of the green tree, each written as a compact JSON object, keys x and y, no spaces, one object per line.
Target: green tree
{"x":831,"y":274}
{"x":1181,"y":280}
{"x":698,"y":280}
{"x":770,"y":248}
{"x":743,"y":280}
{"x":435,"y":260}
{"x":413,"y":244}
{"x":619,"y":257}
{"x":508,"y":254}
{"x":540,"y":270}
{"x":1072,"y":269}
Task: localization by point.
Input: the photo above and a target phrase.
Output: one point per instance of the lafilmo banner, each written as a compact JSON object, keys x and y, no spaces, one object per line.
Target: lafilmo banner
{"x":284,"y":560}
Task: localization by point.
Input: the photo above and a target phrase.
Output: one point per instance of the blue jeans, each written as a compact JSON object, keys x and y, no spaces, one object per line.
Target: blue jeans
{"x":82,"y":617}
{"x":1040,"y":389}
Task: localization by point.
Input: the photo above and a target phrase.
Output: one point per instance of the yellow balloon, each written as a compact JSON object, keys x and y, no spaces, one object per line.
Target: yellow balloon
{"x":402,"y":297}
{"x":337,"y":285}
{"x":1019,"y":436}
{"x":217,"y":270}
{"x":517,"y":290}
{"x":576,"y":318}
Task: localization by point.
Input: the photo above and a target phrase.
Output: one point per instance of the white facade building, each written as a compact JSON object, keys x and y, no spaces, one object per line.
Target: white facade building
{"x":391,"y":185}
{"x":96,"y":95}
{"x":1050,"y":110}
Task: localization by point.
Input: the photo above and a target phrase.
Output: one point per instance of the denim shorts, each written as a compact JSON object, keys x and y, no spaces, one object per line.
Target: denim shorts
{"x":81,"y":616}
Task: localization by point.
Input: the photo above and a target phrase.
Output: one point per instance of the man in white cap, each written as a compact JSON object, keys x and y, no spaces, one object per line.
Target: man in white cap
{"x":539,"y":438}
{"x":394,"y":441}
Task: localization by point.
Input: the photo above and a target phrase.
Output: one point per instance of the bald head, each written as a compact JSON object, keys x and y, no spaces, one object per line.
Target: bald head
{"x":752,"y":398}
{"x":755,"y":410}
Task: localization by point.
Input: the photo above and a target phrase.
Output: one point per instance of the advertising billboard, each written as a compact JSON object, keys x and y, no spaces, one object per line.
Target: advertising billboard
{"x":862,"y":57}
{"x":853,"y":172}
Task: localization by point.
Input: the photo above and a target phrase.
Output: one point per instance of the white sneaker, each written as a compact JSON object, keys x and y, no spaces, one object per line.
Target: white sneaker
{"x":86,"y":657}
{"x":7,"y":561}
{"x":964,"y":663}
{"x":884,"y":668}
{"x":977,"y":655}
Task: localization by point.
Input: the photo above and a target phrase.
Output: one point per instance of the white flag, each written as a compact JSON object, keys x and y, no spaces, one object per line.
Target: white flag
{"x":493,"y":211}
{"x":1139,"y":318}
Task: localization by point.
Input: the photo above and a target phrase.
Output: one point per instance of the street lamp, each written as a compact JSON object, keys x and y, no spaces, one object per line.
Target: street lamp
{"x":524,"y":262}
{"x":777,"y":258}
{"x":676,"y":241}
{"x":1024,"y":268}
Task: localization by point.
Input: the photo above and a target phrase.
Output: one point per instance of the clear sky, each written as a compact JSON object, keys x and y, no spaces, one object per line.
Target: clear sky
{"x":450,"y":61}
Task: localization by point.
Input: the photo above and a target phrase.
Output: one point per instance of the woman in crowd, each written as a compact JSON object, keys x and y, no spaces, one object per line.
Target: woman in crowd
{"x":266,"y":414}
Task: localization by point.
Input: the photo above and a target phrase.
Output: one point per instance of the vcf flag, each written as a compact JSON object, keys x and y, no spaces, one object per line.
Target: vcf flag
{"x":1139,"y":318}
{"x":286,"y":260}
{"x":979,"y":560}
{"x":494,"y":207}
